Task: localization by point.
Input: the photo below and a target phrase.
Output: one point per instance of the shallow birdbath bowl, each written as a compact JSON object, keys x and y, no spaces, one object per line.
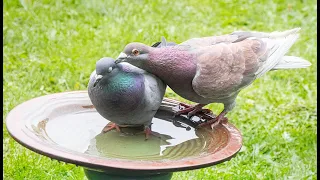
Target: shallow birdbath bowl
{"x":66,"y":127}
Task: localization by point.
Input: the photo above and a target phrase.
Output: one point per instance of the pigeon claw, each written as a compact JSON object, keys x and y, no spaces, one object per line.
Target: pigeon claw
{"x":199,"y":112}
{"x":213,"y":122}
{"x":184,"y":111}
{"x":219,"y":121}
{"x":111,"y":126}
{"x":191,"y":110}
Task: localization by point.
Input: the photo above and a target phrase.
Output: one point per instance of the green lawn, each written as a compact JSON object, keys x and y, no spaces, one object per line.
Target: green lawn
{"x":52,"y":46}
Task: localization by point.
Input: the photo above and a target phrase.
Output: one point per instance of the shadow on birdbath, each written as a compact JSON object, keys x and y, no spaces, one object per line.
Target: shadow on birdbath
{"x":66,"y":127}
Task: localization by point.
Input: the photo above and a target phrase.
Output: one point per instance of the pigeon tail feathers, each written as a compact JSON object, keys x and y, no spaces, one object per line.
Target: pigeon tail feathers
{"x":291,"y":62}
{"x":279,"y":43}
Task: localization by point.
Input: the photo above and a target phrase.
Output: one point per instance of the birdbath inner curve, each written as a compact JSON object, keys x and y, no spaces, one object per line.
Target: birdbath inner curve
{"x":66,"y":127}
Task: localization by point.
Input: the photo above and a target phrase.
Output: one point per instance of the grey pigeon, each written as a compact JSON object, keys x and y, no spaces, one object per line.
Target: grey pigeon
{"x":125,"y":94}
{"x":215,"y":69}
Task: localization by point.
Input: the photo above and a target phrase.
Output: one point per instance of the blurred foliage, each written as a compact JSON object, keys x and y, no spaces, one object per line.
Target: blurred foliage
{"x":52,"y":46}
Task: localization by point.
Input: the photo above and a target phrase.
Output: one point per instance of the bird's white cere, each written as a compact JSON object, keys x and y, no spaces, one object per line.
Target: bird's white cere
{"x":110,"y":69}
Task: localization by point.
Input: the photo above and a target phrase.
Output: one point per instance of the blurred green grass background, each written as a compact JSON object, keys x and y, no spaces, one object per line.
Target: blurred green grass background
{"x":52,"y":46}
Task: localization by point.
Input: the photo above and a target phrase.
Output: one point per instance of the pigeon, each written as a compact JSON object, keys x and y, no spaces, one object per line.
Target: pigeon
{"x":215,"y":69}
{"x":125,"y":95}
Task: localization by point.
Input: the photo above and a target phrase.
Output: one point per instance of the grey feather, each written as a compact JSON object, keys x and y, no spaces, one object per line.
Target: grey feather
{"x":291,"y":62}
{"x":163,"y":43}
{"x":281,"y":47}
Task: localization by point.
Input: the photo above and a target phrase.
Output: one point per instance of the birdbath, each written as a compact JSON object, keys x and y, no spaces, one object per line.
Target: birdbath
{"x":66,"y":127}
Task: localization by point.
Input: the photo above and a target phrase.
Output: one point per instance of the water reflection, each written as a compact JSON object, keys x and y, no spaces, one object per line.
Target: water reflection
{"x":172,"y":137}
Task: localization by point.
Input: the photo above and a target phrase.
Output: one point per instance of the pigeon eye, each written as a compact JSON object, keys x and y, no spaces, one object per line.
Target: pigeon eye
{"x":135,"y":52}
{"x":110,"y":69}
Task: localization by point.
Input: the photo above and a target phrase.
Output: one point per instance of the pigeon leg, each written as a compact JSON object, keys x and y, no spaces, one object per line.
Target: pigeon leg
{"x":191,"y":110}
{"x":147,"y":132}
{"x":111,"y":126}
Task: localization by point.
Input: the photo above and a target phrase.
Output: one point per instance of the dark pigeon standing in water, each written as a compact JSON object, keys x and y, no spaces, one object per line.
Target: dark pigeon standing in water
{"x":215,"y":69}
{"x":125,"y":94}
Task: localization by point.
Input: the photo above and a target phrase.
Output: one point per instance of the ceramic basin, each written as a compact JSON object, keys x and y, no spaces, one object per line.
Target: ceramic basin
{"x":66,"y":127}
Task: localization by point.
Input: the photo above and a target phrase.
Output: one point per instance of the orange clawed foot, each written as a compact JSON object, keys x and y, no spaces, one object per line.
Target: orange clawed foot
{"x":111,"y":126}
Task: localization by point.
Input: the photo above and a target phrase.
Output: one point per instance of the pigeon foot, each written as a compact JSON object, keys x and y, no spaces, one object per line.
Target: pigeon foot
{"x":213,"y":122}
{"x":191,"y":110}
{"x":111,"y":126}
{"x":147,"y":132}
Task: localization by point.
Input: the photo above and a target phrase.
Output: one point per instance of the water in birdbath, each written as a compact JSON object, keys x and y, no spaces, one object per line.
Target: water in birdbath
{"x":171,"y":138}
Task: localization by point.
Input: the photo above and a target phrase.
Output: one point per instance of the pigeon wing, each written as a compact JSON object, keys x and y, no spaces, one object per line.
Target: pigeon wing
{"x":223,"y":69}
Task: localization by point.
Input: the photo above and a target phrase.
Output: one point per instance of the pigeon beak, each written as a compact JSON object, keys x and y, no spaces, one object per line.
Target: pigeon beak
{"x":122,"y":57}
{"x":98,"y":78}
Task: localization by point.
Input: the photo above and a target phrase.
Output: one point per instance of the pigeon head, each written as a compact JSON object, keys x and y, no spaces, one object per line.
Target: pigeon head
{"x":137,"y":53}
{"x":105,"y":67}
{"x":134,"y":53}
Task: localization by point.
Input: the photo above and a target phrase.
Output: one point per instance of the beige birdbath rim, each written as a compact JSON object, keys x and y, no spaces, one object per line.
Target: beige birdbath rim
{"x":66,"y":127}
